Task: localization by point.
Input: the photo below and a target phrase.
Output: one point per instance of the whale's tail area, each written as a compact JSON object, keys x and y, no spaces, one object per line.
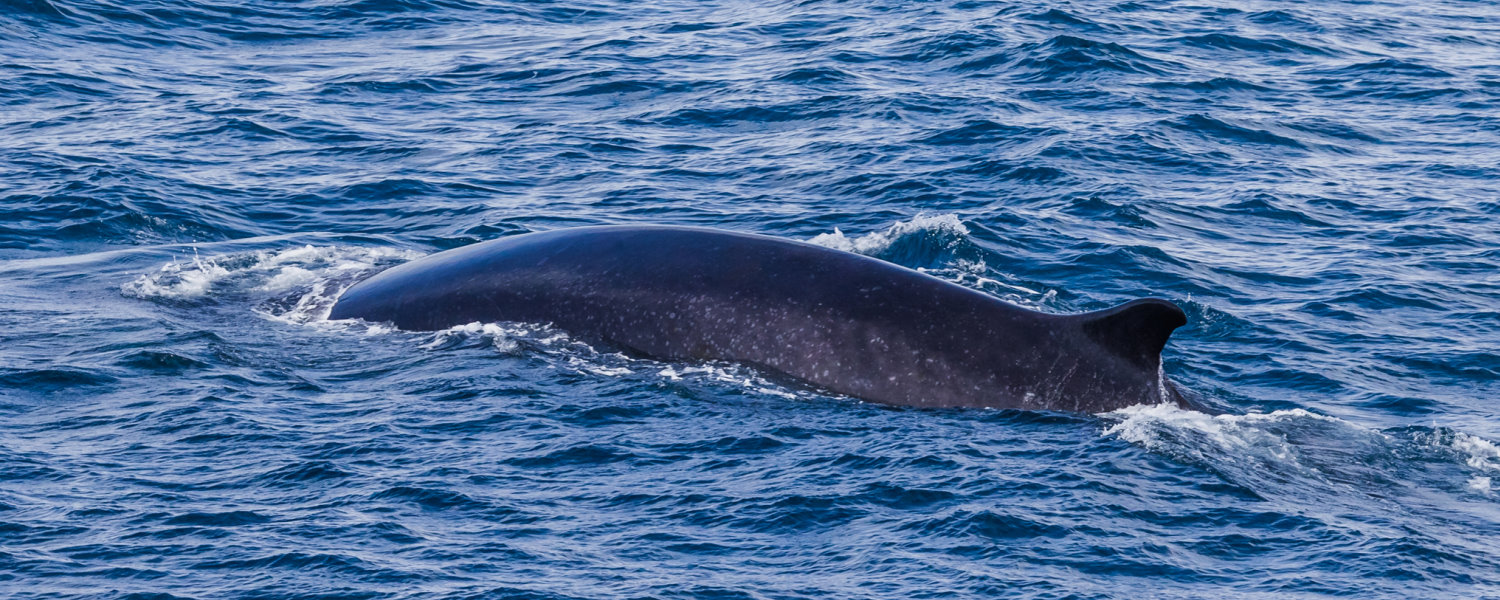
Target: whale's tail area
{"x":1136,"y":330}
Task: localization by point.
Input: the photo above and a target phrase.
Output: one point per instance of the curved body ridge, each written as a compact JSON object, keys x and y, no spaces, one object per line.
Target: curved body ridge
{"x":849,"y":323}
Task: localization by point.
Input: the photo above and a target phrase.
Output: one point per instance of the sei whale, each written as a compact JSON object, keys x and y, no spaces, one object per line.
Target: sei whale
{"x":848,"y":323}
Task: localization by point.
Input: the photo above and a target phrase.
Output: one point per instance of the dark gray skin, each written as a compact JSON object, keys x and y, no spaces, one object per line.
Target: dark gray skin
{"x":851,"y":324}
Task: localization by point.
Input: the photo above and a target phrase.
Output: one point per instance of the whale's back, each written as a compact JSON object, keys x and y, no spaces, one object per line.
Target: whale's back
{"x":846,"y":322}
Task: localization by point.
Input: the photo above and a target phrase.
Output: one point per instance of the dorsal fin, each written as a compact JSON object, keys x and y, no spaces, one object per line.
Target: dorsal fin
{"x":1136,"y":330}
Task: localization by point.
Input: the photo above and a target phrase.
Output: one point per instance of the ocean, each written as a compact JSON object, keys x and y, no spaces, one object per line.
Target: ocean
{"x":186,"y":187}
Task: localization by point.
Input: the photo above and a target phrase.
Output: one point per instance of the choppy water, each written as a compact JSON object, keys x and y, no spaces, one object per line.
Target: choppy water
{"x":185,"y":187}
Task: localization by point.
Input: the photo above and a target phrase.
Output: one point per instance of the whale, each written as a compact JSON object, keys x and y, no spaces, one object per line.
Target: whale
{"x":846,"y":323}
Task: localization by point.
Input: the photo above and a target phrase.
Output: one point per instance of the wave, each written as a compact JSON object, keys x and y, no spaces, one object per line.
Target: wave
{"x":1215,"y":129}
{"x":170,"y":22}
{"x":1067,"y":58}
{"x":1254,"y":45}
{"x":102,"y":205}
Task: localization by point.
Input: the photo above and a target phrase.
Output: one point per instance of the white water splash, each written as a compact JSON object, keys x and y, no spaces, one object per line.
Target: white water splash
{"x":1479,"y":454}
{"x":178,"y":280}
{"x":298,"y":285}
{"x":1294,"y":442}
{"x":1162,"y":427}
{"x":501,"y":337}
{"x":879,"y":241}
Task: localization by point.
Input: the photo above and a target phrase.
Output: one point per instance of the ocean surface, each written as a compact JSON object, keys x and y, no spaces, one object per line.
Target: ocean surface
{"x":186,"y":187}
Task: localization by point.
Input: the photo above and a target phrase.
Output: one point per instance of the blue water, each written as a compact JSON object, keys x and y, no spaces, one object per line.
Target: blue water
{"x":186,"y":187}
